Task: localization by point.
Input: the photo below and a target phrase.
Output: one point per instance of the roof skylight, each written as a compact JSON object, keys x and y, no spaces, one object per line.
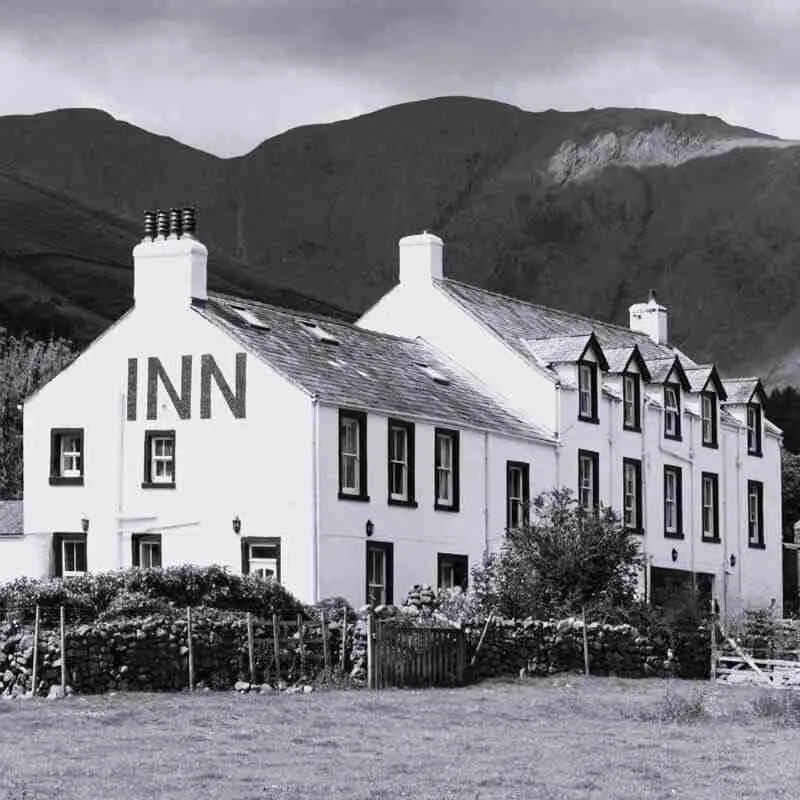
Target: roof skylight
{"x":246,"y":315}
{"x":319,"y":333}
{"x":434,"y":374}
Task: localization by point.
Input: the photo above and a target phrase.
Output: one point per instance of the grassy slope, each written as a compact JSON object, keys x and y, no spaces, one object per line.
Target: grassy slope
{"x":564,"y":738}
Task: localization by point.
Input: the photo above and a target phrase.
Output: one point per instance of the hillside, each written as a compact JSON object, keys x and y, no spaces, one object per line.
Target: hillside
{"x":585,"y":211}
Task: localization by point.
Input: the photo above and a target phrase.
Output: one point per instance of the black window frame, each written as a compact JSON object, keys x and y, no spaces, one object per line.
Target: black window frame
{"x":637,"y":465}
{"x":755,"y":450}
{"x":525,"y":470}
{"x":637,"y":402}
{"x":261,"y":541}
{"x":137,"y":539}
{"x":678,"y":435}
{"x":760,"y":544}
{"x":714,"y":442}
{"x":147,"y":481}
{"x":410,"y":500}
{"x":460,"y":563}
{"x":58,"y":551}
{"x":56,"y":436}
{"x":594,"y":457}
{"x":593,"y":417}
{"x":455,"y":437}
{"x":361,"y":419}
{"x":388,"y":551}
{"x":714,"y":478}
{"x":678,"y":472}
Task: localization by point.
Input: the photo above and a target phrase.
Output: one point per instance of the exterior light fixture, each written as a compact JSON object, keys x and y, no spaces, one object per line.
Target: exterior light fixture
{"x":370,"y":527}
{"x":674,"y":554}
{"x":237,"y":524}
{"x":732,"y":560}
{"x":85,"y":524}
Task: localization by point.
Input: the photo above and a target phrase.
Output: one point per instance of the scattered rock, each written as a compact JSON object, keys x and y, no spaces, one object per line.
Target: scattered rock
{"x":241,"y":686}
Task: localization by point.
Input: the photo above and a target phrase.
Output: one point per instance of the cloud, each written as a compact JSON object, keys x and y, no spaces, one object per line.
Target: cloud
{"x":223,"y":75}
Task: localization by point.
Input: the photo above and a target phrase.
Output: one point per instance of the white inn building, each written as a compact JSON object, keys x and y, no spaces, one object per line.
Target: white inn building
{"x":357,"y":460}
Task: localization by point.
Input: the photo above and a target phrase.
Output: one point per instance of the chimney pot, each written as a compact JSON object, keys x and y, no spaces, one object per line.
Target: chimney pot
{"x":174,"y":223}
{"x":189,"y":221}
{"x":162,"y":224}
{"x":149,"y":225}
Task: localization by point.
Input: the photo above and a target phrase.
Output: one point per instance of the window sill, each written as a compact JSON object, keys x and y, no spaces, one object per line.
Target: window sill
{"x":592,"y":420}
{"x":757,"y":545}
{"x":755,"y":453}
{"x":673,"y":535}
{"x":439,"y":507}
{"x":712,"y":445}
{"x":637,"y":531}
{"x":148,"y":485}
{"x":632,"y":428}
{"x":393,"y":501}
{"x":60,"y":480}
{"x":711,"y":540}
{"x":358,"y":498}
{"x":673,"y":438}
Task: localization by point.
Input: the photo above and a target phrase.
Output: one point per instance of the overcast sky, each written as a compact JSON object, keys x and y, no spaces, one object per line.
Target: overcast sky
{"x":223,"y":75}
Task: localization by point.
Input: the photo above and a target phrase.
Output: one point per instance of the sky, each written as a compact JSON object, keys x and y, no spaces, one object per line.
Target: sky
{"x":223,"y":75}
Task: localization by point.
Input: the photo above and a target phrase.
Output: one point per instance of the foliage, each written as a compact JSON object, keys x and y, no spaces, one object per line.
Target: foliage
{"x":790,"y":479}
{"x":568,"y":558}
{"x":26,"y":364}
{"x":783,"y":408}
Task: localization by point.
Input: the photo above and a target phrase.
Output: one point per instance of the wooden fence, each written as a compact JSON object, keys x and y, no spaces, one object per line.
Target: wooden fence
{"x":403,"y":655}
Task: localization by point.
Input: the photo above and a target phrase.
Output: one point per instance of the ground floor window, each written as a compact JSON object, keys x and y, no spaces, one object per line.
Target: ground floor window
{"x":380,"y":573}
{"x":671,"y":586}
{"x":146,"y":550}
{"x":452,"y":570}
{"x":261,"y":557}
{"x":69,"y":554}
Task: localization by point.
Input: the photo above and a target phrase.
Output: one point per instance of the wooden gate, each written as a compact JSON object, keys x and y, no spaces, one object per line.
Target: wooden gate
{"x":400,"y":654}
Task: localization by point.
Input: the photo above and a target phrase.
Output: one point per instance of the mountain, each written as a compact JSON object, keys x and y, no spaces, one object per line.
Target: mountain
{"x":583,"y":210}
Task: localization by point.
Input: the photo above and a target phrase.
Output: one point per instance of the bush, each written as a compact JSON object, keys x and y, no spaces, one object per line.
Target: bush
{"x":129,"y":605}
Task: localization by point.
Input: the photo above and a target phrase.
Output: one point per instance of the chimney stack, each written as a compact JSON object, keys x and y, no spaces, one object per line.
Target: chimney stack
{"x":169,"y":264}
{"x":420,"y":259}
{"x":649,"y":318}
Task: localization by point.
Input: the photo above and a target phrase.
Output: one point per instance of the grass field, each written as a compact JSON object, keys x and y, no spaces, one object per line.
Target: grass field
{"x":564,"y":737}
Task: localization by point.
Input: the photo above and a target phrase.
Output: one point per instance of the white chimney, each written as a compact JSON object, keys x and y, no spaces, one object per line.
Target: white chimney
{"x":169,"y":264}
{"x":649,"y":318}
{"x":420,"y":259}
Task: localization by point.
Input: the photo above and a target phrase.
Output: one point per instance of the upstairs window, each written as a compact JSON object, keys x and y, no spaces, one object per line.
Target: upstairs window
{"x":401,"y":462}
{"x":66,"y":457}
{"x":710,"y":506}
{"x":672,"y":411}
{"x":708,"y":413}
{"x":631,"y":414}
{"x":587,"y":391}
{"x":632,"y":494}
{"x":754,"y":429}
{"x":517,"y":494}
{"x":755,"y":514}
{"x":159,"y":460}
{"x":673,"y":503}
{"x":588,"y":479}
{"x":352,"y":455}
{"x":446,"y":477}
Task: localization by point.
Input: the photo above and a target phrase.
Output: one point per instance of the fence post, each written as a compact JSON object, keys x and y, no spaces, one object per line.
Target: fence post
{"x":276,"y":646}
{"x":251,"y":648}
{"x":190,"y":647}
{"x":325,"y":654}
{"x":301,"y":644}
{"x":713,"y":671}
{"x":480,"y":641}
{"x":370,"y":651}
{"x":63,"y":637}
{"x":344,"y":640}
{"x":34,"y":677}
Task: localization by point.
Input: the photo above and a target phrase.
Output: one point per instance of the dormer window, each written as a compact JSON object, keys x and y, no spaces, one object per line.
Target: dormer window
{"x":708,"y":414}
{"x":587,"y":391}
{"x":754,"y":429}
{"x":631,"y":415}
{"x":672,"y":411}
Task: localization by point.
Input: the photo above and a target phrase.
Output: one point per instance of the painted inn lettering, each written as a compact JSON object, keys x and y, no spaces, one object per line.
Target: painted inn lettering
{"x":181,"y":400}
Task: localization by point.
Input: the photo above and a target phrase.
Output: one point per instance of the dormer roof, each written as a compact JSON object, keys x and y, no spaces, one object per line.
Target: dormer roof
{"x":668,"y":370}
{"x":566,"y":349}
{"x":620,"y":360}
{"x":703,"y":376}
{"x":744,"y":390}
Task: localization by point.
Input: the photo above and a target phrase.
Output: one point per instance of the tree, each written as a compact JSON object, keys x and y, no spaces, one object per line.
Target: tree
{"x":783,"y":408}
{"x":790,"y":474}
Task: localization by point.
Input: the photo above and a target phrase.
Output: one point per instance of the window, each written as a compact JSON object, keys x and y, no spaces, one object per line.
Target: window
{"x":452,"y":571}
{"x":754,"y":429}
{"x":159,"y":460}
{"x":352,"y":455}
{"x":672,"y":412}
{"x":710,"y":507}
{"x":755,"y":514}
{"x":517,"y":494}
{"x":261,"y":557}
{"x":380,"y":573}
{"x":632,"y":494}
{"x":446,"y":470}
{"x":401,"y":463}
{"x":708,"y":413}
{"x":66,"y":457}
{"x":631,"y":415}
{"x":69,"y":554}
{"x":587,"y":391}
{"x":588,"y":479}
{"x":146,"y":550}
{"x":673,"y":503}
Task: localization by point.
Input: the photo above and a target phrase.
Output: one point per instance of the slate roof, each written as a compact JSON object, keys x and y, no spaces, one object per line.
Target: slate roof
{"x":558,"y":349}
{"x":11,"y":517}
{"x":365,"y":369}
{"x":660,"y":368}
{"x":740,"y":390}
{"x":698,"y":376}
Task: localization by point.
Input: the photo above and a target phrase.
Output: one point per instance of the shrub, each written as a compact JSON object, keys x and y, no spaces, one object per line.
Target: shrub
{"x":129,"y":605}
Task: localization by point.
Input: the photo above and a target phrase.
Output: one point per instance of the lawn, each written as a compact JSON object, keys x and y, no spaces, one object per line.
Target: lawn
{"x":564,"y":737}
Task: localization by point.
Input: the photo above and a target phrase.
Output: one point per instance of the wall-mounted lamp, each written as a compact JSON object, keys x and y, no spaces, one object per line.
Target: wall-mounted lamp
{"x":237,"y":524}
{"x":674,"y":554}
{"x":85,"y":524}
{"x":370,"y":527}
{"x":732,"y":560}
